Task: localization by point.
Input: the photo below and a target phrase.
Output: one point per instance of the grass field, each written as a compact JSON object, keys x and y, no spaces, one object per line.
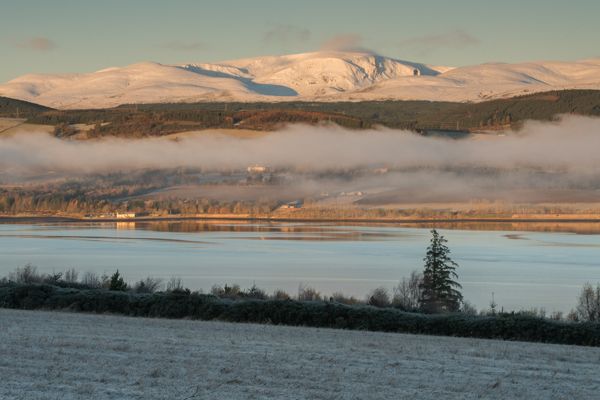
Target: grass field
{"x":52,"y":355}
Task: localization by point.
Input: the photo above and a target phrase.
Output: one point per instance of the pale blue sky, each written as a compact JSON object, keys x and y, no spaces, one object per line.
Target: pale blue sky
{"x":81,"y":36}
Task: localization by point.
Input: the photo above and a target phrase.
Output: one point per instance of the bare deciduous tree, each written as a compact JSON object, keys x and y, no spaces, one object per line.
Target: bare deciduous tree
{"x":71,"y":276}
{"x":339,"y":297}
{"x":280,"y":294}
{"x":26,"y":274}
{"x":468,"y":308}
{"x":408,"y":292}
{"x":90,"y":279}
{"x":174,"y":284}
{"x":588,"y":307}
{"x":307,"y":293}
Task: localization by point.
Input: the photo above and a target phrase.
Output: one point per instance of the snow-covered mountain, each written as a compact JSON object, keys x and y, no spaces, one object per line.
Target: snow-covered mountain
{"x":319,"y":76}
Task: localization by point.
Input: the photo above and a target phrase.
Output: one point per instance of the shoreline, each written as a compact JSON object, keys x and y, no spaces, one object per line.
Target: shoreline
{"x":249,"y":218}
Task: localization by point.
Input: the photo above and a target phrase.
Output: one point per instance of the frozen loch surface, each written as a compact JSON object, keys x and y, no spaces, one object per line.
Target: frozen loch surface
{"x":523,"y":269}
{"x":50,"y":355}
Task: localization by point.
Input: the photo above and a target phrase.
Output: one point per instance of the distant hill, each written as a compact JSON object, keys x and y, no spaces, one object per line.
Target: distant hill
{"x":165,"y":118}
{"x":324,"y":76}
{"x":506,"y":112}
{"x":417,"y":114}
{"x":13,"y":108}
{"x":493,"y":114}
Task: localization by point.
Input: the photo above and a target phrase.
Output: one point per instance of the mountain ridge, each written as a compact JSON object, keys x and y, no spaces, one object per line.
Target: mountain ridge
{"x":318,"y":76}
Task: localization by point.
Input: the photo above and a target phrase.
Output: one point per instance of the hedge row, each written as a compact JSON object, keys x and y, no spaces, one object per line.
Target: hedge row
{"x":183,"y":304}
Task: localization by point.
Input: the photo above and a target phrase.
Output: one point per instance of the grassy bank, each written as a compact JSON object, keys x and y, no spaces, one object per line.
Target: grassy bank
{"x":184,"y":304}
{"x":369,"y":216}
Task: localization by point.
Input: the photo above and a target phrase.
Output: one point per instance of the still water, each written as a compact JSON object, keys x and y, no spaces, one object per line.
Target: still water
{"x":525,"y":266}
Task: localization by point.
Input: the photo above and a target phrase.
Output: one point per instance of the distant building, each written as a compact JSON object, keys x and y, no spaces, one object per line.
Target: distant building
{"x":292,"y":205}
{"x":381,"y":171}
{"x":126,"y":215}
{"x":351,"y":193}
{"x":257,"y":169}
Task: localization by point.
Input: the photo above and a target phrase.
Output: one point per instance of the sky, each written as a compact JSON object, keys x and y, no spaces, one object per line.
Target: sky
{"x":83,"y":36}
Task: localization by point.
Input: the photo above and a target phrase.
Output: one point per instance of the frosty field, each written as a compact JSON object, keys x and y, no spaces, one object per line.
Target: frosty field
{"x":51,"y":355}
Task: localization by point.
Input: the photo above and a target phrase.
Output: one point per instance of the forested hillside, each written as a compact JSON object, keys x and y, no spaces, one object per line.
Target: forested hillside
{"x":19,"y":108}
{"x":166,"y":118}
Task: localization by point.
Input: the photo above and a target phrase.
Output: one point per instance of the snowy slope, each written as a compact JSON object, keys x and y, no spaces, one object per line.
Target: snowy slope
{"x":325,"y":76}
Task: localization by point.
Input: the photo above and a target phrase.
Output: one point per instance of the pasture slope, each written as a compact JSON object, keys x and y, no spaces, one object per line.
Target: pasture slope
{"x":57,"y":355}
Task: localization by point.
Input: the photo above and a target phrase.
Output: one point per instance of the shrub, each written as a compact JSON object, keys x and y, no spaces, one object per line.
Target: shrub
{"x":184,"y":304}
{"x":573,"y":316}
{"x":379,"y":297}
{"x":255,"y":293}
{"x":26,"y":274}
{"x":53,"y":279}
{"x":307,"y":293}
{"x":533,"y":312}
{"x":148,"y":285}
{"x":339,"y":297}
{"x":556,"y":316}
{"x":279,"y":294}
{"x":227,"y":292}
{"x":105,"y":281}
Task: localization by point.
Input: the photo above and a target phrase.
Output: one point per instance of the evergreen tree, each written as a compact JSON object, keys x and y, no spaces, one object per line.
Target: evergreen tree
{"x":117,"y":282}
{"x":439,"y":290}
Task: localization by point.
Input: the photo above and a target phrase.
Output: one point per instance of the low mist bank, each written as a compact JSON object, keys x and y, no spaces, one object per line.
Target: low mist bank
{"x":544,"y":162}
{"x":571,"y":144}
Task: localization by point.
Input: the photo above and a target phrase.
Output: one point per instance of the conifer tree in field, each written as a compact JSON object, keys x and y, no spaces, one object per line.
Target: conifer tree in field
{"x":440,"y":292}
